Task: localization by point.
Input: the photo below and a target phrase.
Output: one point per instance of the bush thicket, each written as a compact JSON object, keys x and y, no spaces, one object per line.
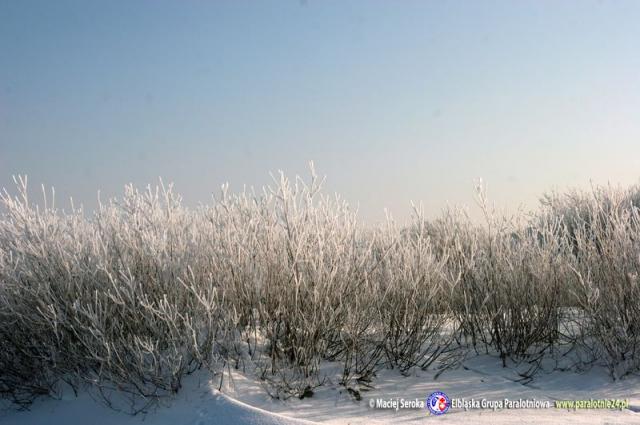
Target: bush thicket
{"x":143,"y":291}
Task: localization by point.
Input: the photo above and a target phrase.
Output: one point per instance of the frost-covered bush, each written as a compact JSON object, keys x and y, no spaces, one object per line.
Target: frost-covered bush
{"x":607,"y":265}
{"x":507,"y":281}
{"x":142,"y":291}
{"x":114,"y":300}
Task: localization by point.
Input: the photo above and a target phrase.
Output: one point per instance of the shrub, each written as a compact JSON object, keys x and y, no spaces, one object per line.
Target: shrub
{"x":143,"y":291}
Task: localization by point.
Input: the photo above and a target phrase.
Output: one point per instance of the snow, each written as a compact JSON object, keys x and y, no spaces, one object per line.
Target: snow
{"x":197,"y":404}
{"x":243,"y":400}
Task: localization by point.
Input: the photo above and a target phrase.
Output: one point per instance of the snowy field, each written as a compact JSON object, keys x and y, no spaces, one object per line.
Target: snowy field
{"x":472,"y":258}
{"x":244,"y":401}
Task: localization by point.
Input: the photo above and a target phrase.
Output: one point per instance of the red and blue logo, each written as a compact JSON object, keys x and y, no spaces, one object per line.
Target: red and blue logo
{"x":438,"y":403}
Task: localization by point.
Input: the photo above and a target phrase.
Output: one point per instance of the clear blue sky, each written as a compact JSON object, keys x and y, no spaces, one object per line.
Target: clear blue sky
{"x":393,"y":100}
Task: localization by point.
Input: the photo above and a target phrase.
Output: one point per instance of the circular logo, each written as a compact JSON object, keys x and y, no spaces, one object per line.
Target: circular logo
{"x":438,"y":403}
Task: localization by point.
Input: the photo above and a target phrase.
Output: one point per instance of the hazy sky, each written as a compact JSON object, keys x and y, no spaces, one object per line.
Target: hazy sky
{"x":393,"y":100}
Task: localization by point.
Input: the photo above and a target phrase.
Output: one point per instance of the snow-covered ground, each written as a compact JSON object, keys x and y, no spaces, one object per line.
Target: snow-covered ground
{"x":244,"y":401}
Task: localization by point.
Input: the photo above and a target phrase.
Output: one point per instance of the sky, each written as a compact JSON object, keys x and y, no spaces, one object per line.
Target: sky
{"x":394,"y":101}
